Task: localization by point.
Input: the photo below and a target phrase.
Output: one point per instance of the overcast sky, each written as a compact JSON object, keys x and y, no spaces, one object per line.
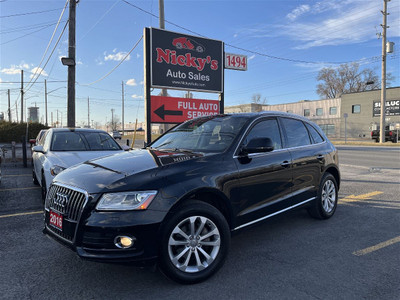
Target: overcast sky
{"x":286,"y":42}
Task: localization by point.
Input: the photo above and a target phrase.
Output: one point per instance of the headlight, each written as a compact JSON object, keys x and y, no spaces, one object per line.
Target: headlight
{"x":55,"y":170}
{"x":126,"y":200}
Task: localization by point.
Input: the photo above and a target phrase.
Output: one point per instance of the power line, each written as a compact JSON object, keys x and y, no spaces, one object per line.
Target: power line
{"x":30,"y":13}
{"x":42,"y":69}
{"x":101,"y":18}
{"x":48,"y":45}
{"x":27,"y":27}
{"x":20,"y":37}
{"x":116,"y":65}
{"x":239,"y":48}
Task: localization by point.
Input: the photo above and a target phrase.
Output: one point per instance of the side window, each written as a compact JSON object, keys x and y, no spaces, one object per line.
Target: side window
{"x":41,"y":141}
{"x":314,"y":134}
{"x":46,"y":141}
{"x":296,"y":132}
{"x":267,"y":129}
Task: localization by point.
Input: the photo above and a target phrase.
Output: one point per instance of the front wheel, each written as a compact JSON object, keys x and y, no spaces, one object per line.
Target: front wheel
{"x":194,"y":243}
{"x":324,"y":206}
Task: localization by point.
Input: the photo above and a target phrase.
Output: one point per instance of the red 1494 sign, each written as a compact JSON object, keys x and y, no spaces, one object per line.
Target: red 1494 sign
{"x":235,"y":62}
{"x":178,"y":110}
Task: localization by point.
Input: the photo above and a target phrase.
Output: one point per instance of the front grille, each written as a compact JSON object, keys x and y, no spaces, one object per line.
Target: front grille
{"x":66,"y":201}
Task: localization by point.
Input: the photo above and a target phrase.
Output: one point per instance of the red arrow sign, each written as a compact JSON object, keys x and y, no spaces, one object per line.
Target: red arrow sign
{"x":178,"y":110}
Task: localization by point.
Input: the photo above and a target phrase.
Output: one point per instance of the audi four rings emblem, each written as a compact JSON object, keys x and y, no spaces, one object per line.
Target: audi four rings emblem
{"x":61,"y":200}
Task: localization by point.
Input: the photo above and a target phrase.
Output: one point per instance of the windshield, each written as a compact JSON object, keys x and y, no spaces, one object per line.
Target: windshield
{"x":83,"y":141}
{"x":208,"y":134}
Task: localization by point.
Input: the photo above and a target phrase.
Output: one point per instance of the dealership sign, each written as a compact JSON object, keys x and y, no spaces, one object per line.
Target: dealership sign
{"x":180,"y":61}
{"x":177,"y":110}
{"x":392,"y":108}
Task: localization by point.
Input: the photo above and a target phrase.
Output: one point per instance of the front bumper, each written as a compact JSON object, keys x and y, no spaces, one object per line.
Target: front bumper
{"x":92,"y":237}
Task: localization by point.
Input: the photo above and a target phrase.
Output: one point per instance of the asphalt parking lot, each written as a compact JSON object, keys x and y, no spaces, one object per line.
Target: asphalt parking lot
{"x":354,"y":255}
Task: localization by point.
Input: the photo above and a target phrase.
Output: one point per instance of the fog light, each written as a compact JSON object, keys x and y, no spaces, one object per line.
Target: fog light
{"x":123,"y":241}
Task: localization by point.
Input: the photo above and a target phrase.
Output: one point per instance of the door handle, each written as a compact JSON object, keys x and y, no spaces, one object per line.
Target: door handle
{"x":320,"y":157}
{"x":285,"y":164}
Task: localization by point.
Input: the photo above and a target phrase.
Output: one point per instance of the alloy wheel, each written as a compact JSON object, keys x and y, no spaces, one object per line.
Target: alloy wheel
{"x":194,"y":244}
{"x":328,"y":196}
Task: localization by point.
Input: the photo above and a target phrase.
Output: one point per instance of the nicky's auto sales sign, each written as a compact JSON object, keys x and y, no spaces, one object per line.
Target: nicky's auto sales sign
{"x":180,"y":61}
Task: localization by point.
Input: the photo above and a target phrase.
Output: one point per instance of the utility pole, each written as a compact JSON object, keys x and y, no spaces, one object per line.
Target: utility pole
{"x":88,"y":113}
{"x":45,"y":99}
{"x":71,"y":66}
{"x":123,"y":112}
{"x":52,"y":124}
{"x":9,"y":106}
{"x":383,"y":84}
{"x":57,"y":119}
{"x":112,"y":119}
{"x":22,"y":96}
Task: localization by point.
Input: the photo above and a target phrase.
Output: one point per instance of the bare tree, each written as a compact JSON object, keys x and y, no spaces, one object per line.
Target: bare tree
{"x":257,"y":99}
{"x":113,"y":124}
{"x":347,"y":78}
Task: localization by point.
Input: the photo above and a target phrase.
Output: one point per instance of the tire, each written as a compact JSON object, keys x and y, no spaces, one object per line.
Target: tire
{"x":183,"y":255}
{"x":43,"y":189}
{"x":324,"y":206}
{"x":34,"y":178}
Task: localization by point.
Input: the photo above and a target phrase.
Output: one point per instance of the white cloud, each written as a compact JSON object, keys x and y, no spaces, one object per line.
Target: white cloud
{"x":340,"y":23}
{"x":38,"y":71}
{"x":1,"y":80}
{"x":131,"y":82}
{"x":15,"y":69}
{"x":137,"y":55}
{"x":252,"y":57}
{"x":298,"y":11}
{"x":117,"y":56}
{"x":142,"y":82}
{"x":137,"y":96}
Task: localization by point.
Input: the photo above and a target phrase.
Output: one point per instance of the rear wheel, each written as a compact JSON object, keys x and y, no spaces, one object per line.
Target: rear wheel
{"x":325,"y":205}
{"x":194,"y":242}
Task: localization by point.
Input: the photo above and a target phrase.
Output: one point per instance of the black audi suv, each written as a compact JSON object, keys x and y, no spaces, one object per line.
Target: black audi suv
{"x":177,"y":201}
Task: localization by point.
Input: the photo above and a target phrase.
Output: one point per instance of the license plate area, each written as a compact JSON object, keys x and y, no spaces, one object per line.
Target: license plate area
{"x":56,"y":220}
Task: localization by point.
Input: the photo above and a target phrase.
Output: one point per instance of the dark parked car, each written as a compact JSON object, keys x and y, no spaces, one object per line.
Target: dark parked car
{"x":390,"y":135}
{"x":178,"y":200}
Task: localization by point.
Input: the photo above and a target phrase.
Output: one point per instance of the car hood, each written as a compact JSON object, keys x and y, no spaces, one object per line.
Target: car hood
{"x":105,"y":173}
{"x":67,"y":159}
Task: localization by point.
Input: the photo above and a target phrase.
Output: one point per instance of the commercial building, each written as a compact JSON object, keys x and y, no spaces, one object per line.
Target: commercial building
{"x":358,"y":113}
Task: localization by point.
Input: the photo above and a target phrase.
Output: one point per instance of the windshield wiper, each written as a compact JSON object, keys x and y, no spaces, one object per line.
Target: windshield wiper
{"x":183,"y":150}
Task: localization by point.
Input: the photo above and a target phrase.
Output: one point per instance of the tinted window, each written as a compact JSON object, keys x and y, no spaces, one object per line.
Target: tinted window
{"x":208,"y":134}
{"x":82,"y":141}
{"x":266,"y":129}
{"x":319,"y":112}
{"x":333,"y":110}
{"x":296,"y":132}
{"x":306,"y":112}
{"x":314,"y":134}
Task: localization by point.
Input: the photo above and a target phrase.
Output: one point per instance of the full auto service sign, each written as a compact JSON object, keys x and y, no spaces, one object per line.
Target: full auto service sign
{"x":186,"y":62}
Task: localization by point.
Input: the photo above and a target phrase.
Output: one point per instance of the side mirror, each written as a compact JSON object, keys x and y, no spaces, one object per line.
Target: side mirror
{"x":258,"y":145}
{"x":125,"y":148}
{"x":38,"y":148}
